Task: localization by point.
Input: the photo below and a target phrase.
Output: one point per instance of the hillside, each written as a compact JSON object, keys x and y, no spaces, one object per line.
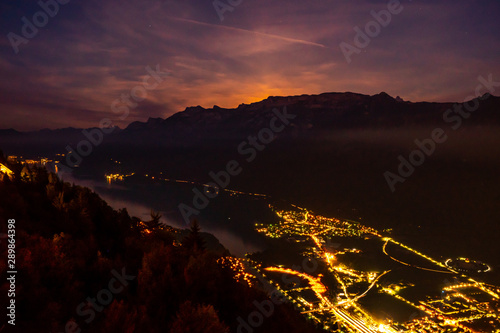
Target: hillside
{"x":82,"y":264}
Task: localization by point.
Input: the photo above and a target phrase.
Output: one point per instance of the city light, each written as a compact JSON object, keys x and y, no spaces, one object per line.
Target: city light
{"x":456,"y":311}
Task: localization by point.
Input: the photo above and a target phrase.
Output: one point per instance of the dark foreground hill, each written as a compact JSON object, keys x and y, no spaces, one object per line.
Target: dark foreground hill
{"x":82,"y":265}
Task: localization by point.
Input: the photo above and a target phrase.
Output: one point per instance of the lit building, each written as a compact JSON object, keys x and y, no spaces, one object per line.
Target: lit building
{"x":5,"y":170}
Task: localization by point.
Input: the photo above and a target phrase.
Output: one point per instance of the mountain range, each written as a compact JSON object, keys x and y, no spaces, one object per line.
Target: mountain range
{"x":316,"y":114}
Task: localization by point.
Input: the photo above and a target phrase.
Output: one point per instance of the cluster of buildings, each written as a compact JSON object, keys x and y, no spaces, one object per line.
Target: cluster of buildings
{"x":4,"y":171}
{"x":465,"y":306}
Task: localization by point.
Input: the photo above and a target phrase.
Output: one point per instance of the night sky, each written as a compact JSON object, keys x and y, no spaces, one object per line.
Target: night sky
{"x":91,"y":52}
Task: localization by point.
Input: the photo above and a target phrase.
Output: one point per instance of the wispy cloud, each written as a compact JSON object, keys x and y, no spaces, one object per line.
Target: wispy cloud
{"x":245,"y":31}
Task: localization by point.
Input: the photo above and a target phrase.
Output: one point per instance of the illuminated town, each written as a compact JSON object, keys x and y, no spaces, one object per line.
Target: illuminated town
{"x":40,"y":161}
{"x":5,"y":170}
{"x":331,"y":291}
{"x":429,"y":294}
{"x":350,"y":277}
{"x":114,"y":177}
{"x":238,"y":267}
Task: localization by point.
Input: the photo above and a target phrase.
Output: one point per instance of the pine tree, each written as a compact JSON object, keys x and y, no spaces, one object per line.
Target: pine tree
{"x":154,"y":223}
{"x":194,"y":241}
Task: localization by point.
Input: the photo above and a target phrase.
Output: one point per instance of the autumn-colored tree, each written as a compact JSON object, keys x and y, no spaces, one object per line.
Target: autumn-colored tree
{"x":160,"y":283}
{"x":121,"y":317}
{"x":197,"y":319}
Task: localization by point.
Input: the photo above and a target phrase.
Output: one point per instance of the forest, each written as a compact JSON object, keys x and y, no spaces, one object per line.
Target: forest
{"x":84,"y":267}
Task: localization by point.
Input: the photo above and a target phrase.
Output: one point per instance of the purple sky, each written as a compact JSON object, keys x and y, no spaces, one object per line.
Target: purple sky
{"x":92,"y":51}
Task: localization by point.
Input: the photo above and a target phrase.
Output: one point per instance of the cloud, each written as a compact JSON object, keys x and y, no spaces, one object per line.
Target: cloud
{"x":92,"y":52}
{"x":286,"y":39}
